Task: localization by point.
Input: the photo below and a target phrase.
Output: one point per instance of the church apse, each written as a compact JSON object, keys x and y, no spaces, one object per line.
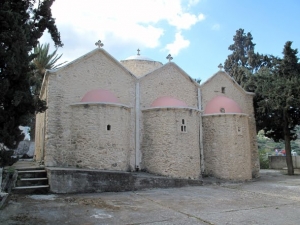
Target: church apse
{"x":170,"y":143}
{"x":226,"y":140}
{"x":99,"y":132}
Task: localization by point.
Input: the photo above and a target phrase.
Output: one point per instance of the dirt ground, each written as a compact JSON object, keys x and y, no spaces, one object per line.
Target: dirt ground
{"x":272,"y":199}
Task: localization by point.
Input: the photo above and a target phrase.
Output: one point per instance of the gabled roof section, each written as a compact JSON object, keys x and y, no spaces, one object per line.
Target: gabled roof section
{"x":91,"y":53}
{"x":174,"y":65}
{"x":225,"y":74}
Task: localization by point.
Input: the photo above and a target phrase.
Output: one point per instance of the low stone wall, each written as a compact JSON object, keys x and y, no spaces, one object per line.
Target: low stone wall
{"x":279,"y":162}
{"x":63,"y":180}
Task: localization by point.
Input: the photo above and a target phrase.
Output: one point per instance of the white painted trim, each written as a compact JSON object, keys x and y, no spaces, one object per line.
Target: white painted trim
{"x":170,"y":107}
{"x":202,"y":166}
{"x":199,"y":99}
{"x":137,"y":126}
{"x":100,"y":103}
{"x":226,"y":114}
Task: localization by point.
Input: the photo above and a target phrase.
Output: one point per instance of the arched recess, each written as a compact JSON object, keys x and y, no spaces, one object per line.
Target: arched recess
{"x":222,"y":104}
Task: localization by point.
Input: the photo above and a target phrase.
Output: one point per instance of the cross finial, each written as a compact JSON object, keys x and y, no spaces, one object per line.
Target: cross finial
{"x":169,"y":57}
{"x":138,"y":50}
{"x":99,"y":44}
{"x":220,"y":66}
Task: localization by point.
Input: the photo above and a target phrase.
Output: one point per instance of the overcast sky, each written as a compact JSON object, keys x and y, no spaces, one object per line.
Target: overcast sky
{"x":196,"y":33}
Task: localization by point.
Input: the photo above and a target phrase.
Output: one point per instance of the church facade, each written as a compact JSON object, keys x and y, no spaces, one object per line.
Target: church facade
{"x":138,"y":114}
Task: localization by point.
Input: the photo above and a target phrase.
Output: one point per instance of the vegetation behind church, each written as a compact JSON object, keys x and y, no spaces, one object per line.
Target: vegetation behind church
{"x":22,"y":26}
{"x":276,"y":83}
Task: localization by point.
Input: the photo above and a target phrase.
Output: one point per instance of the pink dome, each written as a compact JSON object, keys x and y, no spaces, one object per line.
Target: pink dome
{"x":100,"y":95}
{"x":222,"y":104}
{"x":168,"y":102}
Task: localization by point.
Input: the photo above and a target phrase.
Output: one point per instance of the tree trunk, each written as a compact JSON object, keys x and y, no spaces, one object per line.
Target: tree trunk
{"x":287,"y":140}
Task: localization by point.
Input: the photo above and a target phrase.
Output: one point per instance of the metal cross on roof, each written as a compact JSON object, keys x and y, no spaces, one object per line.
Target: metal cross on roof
{"x":169,"y":57}
{"x":138,"y":50}
{"x":99,"y":44}
{"x":220,"y":66}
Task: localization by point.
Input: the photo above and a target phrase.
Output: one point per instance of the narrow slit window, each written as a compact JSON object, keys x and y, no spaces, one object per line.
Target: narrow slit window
{"x":223,"y":90}
{"x":108,"y":127}
{"x":183,"y":126}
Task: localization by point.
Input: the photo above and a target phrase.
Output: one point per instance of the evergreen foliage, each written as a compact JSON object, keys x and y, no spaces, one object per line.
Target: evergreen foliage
{"x":278,"y":100}
{"x":276,"y":83}
{"x":243,"y":61}
{"x":198,"y":81}
{"x":6,"y":158}
{"x":22,"y":24}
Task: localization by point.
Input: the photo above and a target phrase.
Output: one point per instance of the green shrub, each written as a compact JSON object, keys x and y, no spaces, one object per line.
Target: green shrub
{"x":263,"y":160}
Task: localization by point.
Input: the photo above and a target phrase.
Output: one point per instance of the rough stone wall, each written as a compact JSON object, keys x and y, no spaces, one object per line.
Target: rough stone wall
{"x":94,"y":144}
{"x":167,"y":81}
{"x":140,"y":67}
{"x":213,"y":87}
{"x":253,"y":139}
{"x":279,"y":162}
{"x":165,"y":149}
{"x":68,"y":86}
{"x":226,"y":146}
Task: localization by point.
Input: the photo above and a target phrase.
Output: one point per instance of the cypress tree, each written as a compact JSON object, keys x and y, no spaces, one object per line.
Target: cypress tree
{"x":22,"y":24}
{"x":277,"y":101}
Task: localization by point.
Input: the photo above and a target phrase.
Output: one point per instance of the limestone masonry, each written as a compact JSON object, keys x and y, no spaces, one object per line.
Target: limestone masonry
{"x":139,"y":114}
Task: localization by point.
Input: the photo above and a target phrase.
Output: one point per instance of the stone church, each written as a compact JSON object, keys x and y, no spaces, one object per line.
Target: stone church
{"x":141,"y":115}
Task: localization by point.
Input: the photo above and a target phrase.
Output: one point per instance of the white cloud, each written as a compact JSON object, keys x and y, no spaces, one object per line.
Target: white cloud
{"x":216,"y":27}
{"x":120,"y":23}
{"x":178,"y":44}
{"x":185,"y":20}
{"x":192,"y":2}
{"x":109,"y":18}
{"x":201,"y":17}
